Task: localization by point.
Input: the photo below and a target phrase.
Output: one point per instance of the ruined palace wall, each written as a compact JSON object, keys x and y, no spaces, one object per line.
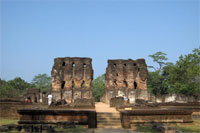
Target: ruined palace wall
{"x":71,"y":78}
{"x":126,"y":77}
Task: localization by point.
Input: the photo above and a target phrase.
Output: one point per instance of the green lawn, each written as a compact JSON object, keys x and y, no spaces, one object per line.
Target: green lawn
{"x":4,"y":121}
{"x":194,"y":127}
{"x":146,"y":129}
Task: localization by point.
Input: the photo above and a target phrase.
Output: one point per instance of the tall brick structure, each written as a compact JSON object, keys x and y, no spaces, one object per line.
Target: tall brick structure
{"x":126,"y":77}
{"x":71,"y":79}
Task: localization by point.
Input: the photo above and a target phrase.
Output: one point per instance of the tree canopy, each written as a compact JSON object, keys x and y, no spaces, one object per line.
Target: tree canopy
{"x":184,"y":77}
{"x":17,"y":87}
{"x":160,"y":58}
{"x":180,"y":78}
{"x":13,"y":88}
{"x":98,"y":87}
{"x":42,"y":81}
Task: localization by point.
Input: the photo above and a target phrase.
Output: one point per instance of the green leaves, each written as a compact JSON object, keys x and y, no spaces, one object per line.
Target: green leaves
{"x":185,"y":76}
{"x":17,"y":86}
{"x":13,"y":88}
{"x":159,"y":57}
{"x":157,"y":80}
{"x":181,"y":78}
{"x":98,"y":87}
{"x":42,"y":81}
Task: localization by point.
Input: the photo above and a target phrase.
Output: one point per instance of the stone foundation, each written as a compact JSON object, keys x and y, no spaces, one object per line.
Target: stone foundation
{"x":52,"y":117}
{"x":142,"y":116}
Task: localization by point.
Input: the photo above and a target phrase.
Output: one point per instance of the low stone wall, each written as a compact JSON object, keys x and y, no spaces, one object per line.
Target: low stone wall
{"x":173,"y":98}
{"x":47,"y":116}
{"x":141,"y":116}
{"x":117,"y":102}
{"x":9,"y":109}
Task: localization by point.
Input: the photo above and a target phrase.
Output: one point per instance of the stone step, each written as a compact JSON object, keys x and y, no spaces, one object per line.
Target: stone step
{"x":108,"y":115}
{"x":100,"y":125}
{"x":107,"y":119}
{"x":109,"y":122}
{"x":116,"y":127}
{"x":108,"y":127}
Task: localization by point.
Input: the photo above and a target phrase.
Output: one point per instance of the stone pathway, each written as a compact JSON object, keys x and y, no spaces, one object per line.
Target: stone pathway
{"x":107,"y":117}
{"x":103,"y":107}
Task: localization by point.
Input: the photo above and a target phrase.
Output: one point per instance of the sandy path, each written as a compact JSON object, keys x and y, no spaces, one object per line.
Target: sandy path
{"x":103,"y":107}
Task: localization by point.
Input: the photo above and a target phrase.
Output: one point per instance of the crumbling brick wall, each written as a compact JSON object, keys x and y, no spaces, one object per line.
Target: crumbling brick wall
{"x":124,"y":77}
{"x":71,"y":78}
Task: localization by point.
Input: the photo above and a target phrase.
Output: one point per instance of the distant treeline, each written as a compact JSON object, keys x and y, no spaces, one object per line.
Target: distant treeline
{"x":183,"y":77}
{"x":17,"y":86}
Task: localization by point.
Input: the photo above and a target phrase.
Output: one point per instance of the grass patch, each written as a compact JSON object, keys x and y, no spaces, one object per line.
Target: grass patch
{"x":146,"y":129}
{"x":4,"y":121}
{"x":194,"y":127}
{"x":76,"y":129}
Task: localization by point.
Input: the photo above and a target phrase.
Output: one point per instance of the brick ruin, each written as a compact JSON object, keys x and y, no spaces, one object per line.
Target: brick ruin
{"x":126,"y":77}
{"x":71,"y":79}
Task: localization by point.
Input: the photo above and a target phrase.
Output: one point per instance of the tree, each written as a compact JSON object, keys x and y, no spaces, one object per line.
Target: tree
{"x":185,"y":76}
{"x":42,"y":81}
{"x":4,"y":91}
{"x":158,"y":57}
{"x":13,"y":88}
{"x":157,"y":80}
{"x":180,"y":78}
{"x":19,"y":84}
{"x":98,"y":87}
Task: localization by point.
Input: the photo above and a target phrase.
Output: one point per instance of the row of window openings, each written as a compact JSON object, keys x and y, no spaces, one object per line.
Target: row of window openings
{"x":125,"y":65}
{"x":83,"y":84}
{"x":134,"y":84}
{"x":63,"y":84}
{"x":73,"y":65}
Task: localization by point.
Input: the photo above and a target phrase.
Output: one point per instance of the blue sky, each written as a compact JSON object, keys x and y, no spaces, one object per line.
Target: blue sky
{"x":33,"y":33}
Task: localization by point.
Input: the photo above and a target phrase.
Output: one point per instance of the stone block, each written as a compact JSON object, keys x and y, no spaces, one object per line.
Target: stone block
{"x":76,"y":95}
{"x":56,"y":95}
{"x":87,"y":94}
{"x":67,"y":95}
{"x":84,"y":102}
{"x":117,"y":102}
{"x":142,"y":94}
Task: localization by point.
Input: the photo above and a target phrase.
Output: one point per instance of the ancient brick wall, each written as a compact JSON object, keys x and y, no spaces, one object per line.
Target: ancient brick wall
{"x":126,"y":77}
{"x":71,"y":78}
